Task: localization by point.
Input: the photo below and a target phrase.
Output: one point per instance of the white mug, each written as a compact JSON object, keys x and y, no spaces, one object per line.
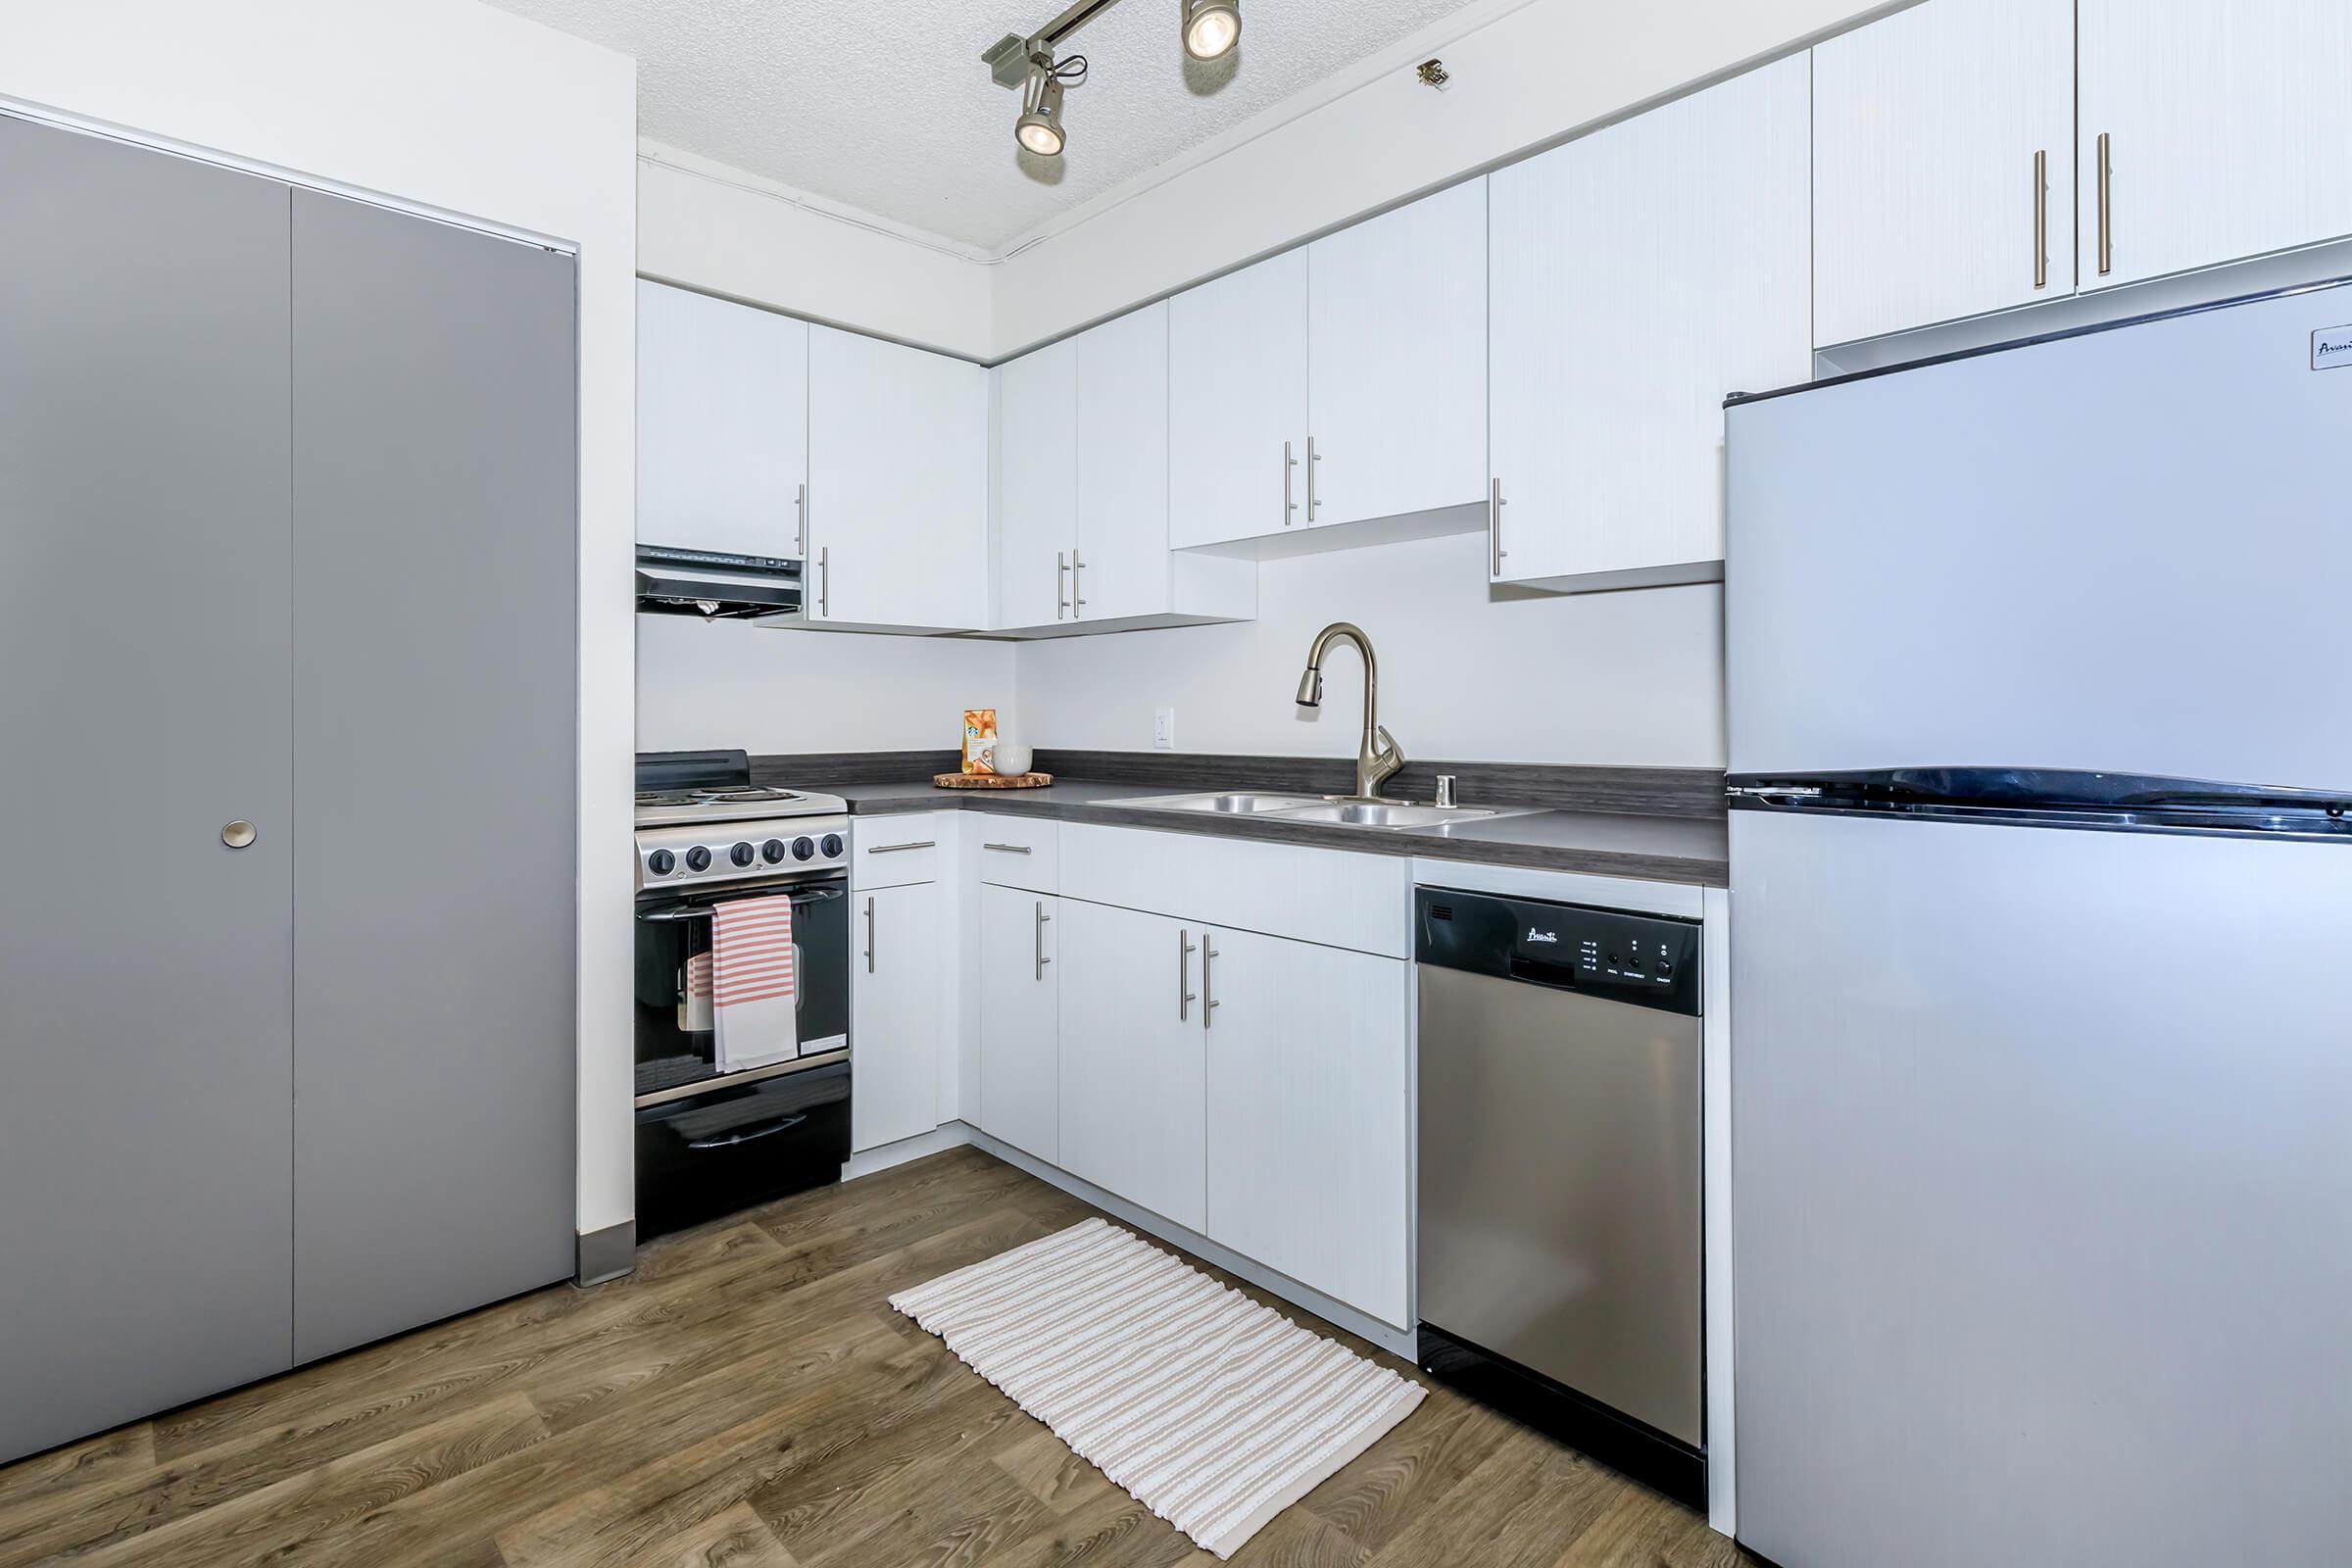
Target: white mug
{"x":1011,"y":760}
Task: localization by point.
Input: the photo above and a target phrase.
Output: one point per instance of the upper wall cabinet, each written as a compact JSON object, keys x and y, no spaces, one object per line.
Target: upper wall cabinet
{"x":1237,"y":405}
{"x":1082,"y":492}
{"x":1640,"y":275}
{"x":898,"y":487}
{"x":723,"y":425}
{"x":1396,"y":362}
{"x":2211,"y":131}
{"x":1943,"y":164}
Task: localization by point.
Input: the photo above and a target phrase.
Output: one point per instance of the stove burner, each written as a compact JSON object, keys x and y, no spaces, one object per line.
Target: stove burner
{"x":715,"y":796}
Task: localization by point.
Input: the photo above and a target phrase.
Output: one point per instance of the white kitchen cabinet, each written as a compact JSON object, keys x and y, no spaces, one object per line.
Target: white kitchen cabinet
{"x":1020,"y":1020}
{"x":1307,"y":1107}
{"x":2228,"y":131}
{"x":722,"y":425}
{"x":1397,"y":363}
{"x":1640,"y":275}
{"x":898,"y":487}
{"x":1929,"y":127}
{"x":1037,"y":484}
{"x":1237,"y":405}
{"x":1082,"y":492}
{"x":1131,"y":1056}
{"x":894,"y":1012}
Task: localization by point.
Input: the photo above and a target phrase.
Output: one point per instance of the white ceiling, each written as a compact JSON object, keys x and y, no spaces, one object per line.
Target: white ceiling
{"x":887,"y":107}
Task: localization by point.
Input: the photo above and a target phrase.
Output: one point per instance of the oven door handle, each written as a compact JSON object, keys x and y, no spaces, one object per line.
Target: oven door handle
{"x":702,"y":911}
{"x":786,"y":1124}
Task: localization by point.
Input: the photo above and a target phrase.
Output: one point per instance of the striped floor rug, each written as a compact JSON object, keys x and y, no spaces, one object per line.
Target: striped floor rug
{"x":1216,"y":1412}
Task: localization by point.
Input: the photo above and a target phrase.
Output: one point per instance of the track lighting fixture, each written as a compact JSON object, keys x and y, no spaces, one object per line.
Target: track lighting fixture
{"x":1209,"y":30}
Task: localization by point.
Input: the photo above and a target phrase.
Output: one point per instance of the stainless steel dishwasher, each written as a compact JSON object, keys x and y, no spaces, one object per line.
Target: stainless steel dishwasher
{"x":1560,"y":1174}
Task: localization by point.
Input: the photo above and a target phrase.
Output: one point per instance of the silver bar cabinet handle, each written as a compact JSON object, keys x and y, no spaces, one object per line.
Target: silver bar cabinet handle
{"x":2041,"y":218}
{"x":1313,"y":458}
{"x":2106,"y":227}
{"x":800,"y":536}
{"x":1077,"y":586}
{"x":893,"y":849}
{"x":1494,"y":506}
{"x":1007,"y":849}
{"x":1184,"y":976}
{"x":1042,"y":919}
{"x":1288,"y":505}
{"x":870,"y":933}
{"x":824,"y":583}
{"x":1208,"y":985}
{"x":1062,"y":592}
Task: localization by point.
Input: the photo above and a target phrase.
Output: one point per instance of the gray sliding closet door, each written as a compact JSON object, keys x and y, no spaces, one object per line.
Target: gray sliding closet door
{"x":434,"y":754}
{"x":145,"y":1051}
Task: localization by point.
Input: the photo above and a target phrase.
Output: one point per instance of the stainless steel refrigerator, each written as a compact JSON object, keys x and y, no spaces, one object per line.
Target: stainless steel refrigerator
{"x":2040,"y":708}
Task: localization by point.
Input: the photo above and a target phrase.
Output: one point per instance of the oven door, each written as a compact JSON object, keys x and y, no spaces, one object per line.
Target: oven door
{"x":743,"y":1141}
{"x":676,"y":1044}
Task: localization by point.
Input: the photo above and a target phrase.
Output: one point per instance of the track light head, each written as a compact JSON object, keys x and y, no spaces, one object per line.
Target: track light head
{"x":1211,"y":28}
{"x":1039,"y":129}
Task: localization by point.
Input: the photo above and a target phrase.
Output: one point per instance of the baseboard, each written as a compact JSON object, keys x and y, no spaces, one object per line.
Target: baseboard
{"x":605,"y":1255}
{"x":1395,"y":1341}
{"x":922,"y":1146}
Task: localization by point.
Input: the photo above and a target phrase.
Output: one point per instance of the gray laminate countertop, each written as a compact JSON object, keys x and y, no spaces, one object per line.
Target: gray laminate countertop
{"x":1693,"y":849}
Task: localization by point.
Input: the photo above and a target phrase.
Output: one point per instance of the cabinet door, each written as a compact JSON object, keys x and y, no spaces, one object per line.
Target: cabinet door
{"x":895,"y":1021}
{"x":146,"y":993}
{"x":1124,"y":467}
{"x":898,"y":484}
{"x":1037,"y":485}
{"x":2229,"y":126}
{"x":1131,"y":1056}
{"x":1927,"y":128}
{"x":1020,"y":1020}
{"x":1307,"y":1113}
{"x":1237,"y":403}
{"x":722,"y":425}
{"x":415,"y":1197}
{"x":1397,"y":361}
{"x":1640,"y":275}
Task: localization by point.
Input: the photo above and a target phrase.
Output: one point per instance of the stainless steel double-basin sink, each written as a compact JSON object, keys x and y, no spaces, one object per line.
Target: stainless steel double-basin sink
{"x":1320,"y":809}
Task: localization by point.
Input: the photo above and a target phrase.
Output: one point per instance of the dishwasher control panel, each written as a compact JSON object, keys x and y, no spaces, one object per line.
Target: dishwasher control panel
{"x":1649,"y":961}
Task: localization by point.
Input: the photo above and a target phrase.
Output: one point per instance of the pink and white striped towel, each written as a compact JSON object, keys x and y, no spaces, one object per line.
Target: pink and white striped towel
{"x":752,"y":982}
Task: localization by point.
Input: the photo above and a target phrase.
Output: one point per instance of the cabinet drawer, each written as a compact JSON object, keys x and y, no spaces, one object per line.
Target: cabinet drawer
{"x":1336,"y":897}
{"x":891,"y":851}
{"x":1017,"y":852}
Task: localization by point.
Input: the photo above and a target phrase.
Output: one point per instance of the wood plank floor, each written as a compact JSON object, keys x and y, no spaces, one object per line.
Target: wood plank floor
{"x":748,"y":1397}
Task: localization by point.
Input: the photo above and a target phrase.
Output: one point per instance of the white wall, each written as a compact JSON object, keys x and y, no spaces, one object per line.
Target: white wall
{"x":1522,"y":80}
{"x":1627,"y":678}
{"x":453,"y":105}
{"x":767,"y":688}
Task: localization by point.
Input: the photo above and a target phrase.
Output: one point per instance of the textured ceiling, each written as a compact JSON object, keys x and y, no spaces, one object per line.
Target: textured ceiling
{"x":885,"y":105}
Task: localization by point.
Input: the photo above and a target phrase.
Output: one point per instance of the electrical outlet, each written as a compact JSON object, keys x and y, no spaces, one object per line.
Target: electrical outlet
{"x":1163,"y":729}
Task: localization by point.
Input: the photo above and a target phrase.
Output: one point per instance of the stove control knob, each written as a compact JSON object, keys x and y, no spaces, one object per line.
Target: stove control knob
{"x":743,"y":854}
{"x":832,"y":846}
{"x":803,"y":848}
{"x":662,"y":862}
{"x":698,"y":858}
{"x":772,"y":851}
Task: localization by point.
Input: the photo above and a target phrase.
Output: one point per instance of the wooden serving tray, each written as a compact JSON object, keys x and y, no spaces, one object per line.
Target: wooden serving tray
{"x":992,"y":781}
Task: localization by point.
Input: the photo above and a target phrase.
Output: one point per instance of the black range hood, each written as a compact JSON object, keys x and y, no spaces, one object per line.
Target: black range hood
{"x":713,"y":586}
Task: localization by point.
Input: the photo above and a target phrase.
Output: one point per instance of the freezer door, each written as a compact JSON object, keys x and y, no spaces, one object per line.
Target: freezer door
{"x":2122,"y":551}
{"x":2042,"y":1195}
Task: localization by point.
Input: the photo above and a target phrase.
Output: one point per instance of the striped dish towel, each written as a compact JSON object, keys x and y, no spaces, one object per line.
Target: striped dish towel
{"x":694,"y":1000}
{"x":752,"y":982}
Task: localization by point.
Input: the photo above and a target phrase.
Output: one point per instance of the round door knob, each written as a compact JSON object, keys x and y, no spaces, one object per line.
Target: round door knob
{"x":743,"y":854}
{"x":772,"y":851}
{"x":237,"y":835}
{"x":662,"y":862}
{"x":833,"y":846}
{"x":698,"y":858}
{"x":803,"y":849}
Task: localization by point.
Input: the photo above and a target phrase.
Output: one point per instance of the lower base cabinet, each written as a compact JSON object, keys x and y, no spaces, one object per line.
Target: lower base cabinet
{"x":894,"y":1022}
{"x":1020,"y":1020}
{"x":1307,"y":1079}
{"x":1132,"y":1058}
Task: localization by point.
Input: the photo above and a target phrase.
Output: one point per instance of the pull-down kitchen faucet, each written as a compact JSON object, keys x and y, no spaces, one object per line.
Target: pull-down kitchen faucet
{"x":1379,"y":756}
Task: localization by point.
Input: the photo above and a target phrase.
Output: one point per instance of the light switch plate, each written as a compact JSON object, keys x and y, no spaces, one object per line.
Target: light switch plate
{"x":1163,"y":729}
